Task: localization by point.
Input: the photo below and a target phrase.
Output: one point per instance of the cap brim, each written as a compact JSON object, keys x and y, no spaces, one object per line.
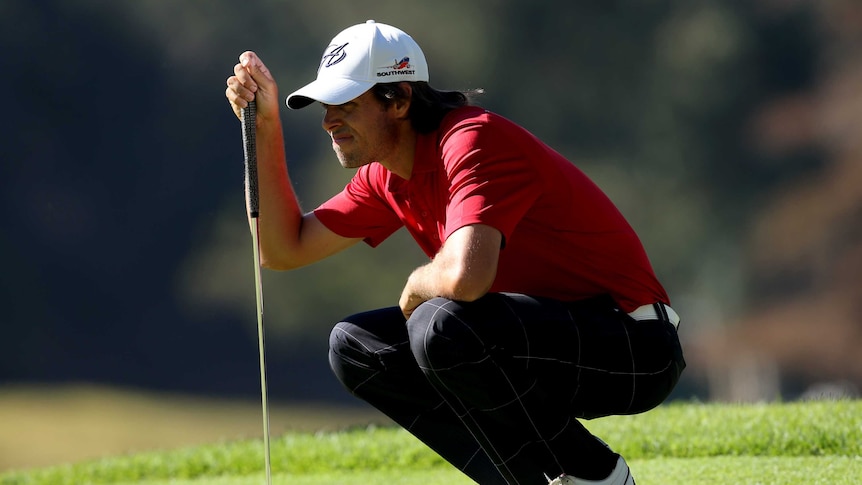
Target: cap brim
{"x":329,"y":91}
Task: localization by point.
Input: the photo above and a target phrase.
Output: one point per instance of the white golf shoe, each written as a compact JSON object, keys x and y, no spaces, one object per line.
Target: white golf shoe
{"x":620,"y":476}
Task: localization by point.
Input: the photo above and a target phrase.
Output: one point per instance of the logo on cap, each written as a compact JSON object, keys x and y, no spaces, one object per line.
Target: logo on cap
{"x":402,"y":64}
{"x":401,"y":67}
{"x":334,"y":56}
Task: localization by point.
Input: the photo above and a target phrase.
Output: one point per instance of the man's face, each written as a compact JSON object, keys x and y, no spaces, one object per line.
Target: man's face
{"x":362,"y":130}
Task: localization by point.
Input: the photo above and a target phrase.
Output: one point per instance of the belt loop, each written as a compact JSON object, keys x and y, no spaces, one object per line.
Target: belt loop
{"x":661,"y":312}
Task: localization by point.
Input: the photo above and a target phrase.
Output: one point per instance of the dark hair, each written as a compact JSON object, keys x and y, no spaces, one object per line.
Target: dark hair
{"x":428,"y":106}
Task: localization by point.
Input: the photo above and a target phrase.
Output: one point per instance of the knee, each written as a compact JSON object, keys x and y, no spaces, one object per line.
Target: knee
{"x":339,"y":338}
{"x":442,"y":333}
{"x":348,"y":359}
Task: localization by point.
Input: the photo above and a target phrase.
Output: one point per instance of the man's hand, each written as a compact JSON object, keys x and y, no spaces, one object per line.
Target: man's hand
{"x":251,"y":81}
{"x":409,"y":301}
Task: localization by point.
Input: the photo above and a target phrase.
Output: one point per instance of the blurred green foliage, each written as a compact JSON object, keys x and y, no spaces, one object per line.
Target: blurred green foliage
{"x":128,"y":161}
{"x":649,"y":98}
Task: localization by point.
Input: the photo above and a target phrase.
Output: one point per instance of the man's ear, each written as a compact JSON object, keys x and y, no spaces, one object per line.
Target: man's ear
{"x":402,"y":102}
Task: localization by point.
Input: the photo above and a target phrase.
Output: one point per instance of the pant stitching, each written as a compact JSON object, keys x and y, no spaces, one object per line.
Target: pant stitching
{"x":526,"y":413}
{"x":634,"y":367}
{"x":370,"y":351}
{"x":461,"y":404}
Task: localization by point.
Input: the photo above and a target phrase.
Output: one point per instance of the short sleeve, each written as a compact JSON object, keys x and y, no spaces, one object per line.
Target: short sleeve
{"x":361,"y":210}
{"x":491,"y":180}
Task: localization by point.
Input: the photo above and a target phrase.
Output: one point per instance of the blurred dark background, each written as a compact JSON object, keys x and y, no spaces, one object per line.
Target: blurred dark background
{"x":728,"y":132}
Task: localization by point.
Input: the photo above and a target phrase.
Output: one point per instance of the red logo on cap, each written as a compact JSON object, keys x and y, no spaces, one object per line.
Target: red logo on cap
{"x":402,"y":64}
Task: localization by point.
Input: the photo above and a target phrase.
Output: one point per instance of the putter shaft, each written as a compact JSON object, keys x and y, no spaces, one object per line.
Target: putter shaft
{"x":249,"y":144}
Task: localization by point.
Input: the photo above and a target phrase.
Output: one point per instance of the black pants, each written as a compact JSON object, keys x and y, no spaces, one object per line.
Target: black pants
{"x":495,"y":386}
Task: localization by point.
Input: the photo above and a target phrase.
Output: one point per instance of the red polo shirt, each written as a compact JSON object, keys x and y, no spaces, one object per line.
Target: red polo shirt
{"x":563,"y":238}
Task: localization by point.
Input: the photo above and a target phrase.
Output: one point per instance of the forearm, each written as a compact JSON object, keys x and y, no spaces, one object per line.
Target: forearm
{"x":464,"y":269}
{"x":441,"y":278}
{"x":280,"y":218}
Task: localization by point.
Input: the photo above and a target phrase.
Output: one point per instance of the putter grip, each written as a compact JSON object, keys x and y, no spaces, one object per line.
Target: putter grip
{"x":249,"y":147}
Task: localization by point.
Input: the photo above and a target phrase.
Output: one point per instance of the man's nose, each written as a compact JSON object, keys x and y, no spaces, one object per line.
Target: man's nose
{"x":331,"y":119}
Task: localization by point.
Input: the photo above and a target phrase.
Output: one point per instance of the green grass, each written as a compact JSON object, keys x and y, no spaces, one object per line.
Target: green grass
{"x":816,"y":442}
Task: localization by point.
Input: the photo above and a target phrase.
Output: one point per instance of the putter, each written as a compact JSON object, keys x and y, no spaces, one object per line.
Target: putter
{"x":253,"y":204}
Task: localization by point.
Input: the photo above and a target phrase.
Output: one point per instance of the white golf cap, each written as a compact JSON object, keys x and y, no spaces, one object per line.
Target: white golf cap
{"x":358,"y":58}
